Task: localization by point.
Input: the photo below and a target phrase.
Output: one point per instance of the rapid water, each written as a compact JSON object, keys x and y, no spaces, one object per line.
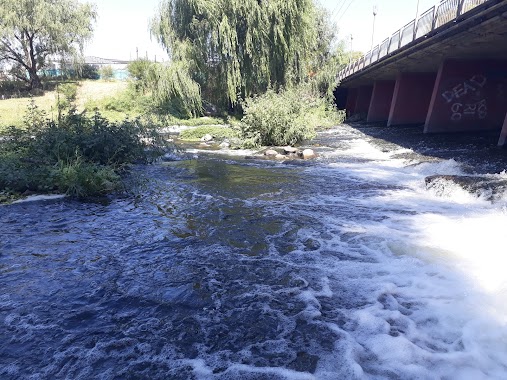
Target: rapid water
{"x":218,"y":267}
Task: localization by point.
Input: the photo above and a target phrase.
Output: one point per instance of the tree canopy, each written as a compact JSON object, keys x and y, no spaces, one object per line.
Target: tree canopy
{"x":238,"y":48}
{"x":33,"y":30}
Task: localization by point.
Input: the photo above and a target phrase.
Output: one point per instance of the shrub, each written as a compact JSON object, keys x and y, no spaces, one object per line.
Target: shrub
{"x":106,"y":72}
{"x":285,"y":118}
{"x":89,"y":71}
{"x":80,"y":178}
{"x":139,"y":70}
{"x":66,"y":97}
{"x":78,"y":155}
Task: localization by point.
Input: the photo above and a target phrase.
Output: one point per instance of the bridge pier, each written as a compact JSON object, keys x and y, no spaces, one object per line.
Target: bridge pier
{"x":411,"y":98}
{"x":340,"y":97}
{"x":503,"y":135}
{"x":363,"y":100}
{"x":350,"y":105}
{"x":469,"y":95}
{"x":381,"y":99}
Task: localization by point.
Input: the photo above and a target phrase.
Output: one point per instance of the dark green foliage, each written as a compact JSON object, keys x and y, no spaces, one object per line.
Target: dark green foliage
{"x":79,"y":155}
{"x":89,"y":72}
{"x":12,"y":87}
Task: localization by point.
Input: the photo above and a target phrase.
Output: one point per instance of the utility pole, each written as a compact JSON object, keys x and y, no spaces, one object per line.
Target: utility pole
{"x":350,"y":55}
{"x":375,"y":11}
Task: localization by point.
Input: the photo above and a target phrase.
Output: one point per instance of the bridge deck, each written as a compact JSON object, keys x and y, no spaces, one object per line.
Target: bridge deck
{"x":481,"y":32}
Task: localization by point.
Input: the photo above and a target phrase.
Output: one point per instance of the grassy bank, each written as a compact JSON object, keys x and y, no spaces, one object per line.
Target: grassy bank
{"x":12,"y":110}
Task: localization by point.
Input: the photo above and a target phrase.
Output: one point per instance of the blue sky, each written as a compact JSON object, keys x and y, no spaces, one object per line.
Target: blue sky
{"x":122,"y":25}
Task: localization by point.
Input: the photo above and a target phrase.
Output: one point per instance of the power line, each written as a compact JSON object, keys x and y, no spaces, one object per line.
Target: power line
{"x":345,"y":11}
{"x":338,"y":8}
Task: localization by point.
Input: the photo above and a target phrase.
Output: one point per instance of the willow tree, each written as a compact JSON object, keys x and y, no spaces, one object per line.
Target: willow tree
{"x":33,"y":30}
{"x":237,"y":48}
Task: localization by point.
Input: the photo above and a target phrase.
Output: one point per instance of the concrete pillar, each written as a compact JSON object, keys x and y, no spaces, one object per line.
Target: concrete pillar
{"x":411,"y":98}
{"x":340,"y":97}
{"x":469,"y":95}
{"x":381,"y":99}
{"x":363,"y":100}
{"x":351,"y":101}
{"x":503,"y":134}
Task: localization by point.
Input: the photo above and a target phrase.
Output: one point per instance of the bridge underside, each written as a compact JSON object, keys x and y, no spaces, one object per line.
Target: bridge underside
{"x":451,"y":80}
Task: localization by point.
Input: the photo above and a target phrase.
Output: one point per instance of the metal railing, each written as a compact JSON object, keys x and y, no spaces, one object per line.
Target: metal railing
{"x":425,"y":23}
{"x":407,"y":33}
{"x":445,"y":13}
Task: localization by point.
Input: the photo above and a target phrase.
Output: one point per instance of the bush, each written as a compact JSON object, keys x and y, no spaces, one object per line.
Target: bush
{"x":66,"y":96}
{"x":79,"y":155}
{"x":139,"y":70}
{"x":89,"y":72}
{"x":285,"y":118}
{"x":80,"y":178}
{"x":106,"y":72}
{"x":12,"y":87}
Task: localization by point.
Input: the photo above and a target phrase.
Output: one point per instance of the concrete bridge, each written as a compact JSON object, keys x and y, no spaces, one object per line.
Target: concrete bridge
{"x":447,"y":70}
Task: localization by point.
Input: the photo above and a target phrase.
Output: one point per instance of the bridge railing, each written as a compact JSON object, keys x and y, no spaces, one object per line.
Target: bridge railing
{"x":425,"y":23}
{"x":445,"y":13}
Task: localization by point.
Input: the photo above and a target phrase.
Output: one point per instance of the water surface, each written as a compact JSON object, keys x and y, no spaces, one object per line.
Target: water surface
{"x":218,"y":267}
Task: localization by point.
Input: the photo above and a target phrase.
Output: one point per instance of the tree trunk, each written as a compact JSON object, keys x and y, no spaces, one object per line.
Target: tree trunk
{"x":35,"y":82}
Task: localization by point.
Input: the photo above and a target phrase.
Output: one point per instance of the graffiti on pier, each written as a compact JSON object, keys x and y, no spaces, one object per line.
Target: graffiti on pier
{"x":467,"y":100}
{"x":472,"y":110}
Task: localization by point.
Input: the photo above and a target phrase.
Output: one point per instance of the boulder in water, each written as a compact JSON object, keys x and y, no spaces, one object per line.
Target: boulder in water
{"x":207,"y":137}
{"x":308,"y":154}
{"x":490,"y":187}
{"x":271,"y":153}
{"x":289,"y":150}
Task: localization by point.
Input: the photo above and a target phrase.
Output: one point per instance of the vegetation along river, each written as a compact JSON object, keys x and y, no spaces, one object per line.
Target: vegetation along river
{"x":219,"y":267}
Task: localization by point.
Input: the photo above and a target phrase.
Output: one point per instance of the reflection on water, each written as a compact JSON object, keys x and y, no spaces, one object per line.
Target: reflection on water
{"x":224,"y":268}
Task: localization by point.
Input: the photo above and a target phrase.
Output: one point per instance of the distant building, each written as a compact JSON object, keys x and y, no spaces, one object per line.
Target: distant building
{"x":119,"y":66}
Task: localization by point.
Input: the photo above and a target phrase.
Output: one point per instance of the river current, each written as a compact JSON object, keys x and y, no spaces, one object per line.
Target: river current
{"x":221,"y":267}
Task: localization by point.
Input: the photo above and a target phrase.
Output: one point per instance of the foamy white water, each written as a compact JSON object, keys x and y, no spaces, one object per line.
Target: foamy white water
{"x":442,"y":254}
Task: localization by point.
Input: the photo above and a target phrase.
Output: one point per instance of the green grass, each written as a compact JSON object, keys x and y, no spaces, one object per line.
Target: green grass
{"x":13,"y":110}
{"x":218,"y":132}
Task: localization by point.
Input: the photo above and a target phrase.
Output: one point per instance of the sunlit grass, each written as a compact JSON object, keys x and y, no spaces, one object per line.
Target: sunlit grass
{"x":12,"y":110}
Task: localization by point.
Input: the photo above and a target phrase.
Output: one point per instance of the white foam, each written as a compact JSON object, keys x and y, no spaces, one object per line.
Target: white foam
{"x":35,"y":198}
{"x":280,"y":373}
{"x":444,"y":250}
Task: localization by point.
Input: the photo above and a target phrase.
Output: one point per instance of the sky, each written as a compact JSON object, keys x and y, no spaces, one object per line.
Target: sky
{"x":122,"y":26}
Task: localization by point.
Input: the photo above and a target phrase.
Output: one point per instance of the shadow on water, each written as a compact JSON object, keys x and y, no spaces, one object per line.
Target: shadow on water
{"x":478,"y":151}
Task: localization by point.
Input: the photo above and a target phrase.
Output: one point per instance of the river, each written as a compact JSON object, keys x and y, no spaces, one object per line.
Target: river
{"x":221,"y":267}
